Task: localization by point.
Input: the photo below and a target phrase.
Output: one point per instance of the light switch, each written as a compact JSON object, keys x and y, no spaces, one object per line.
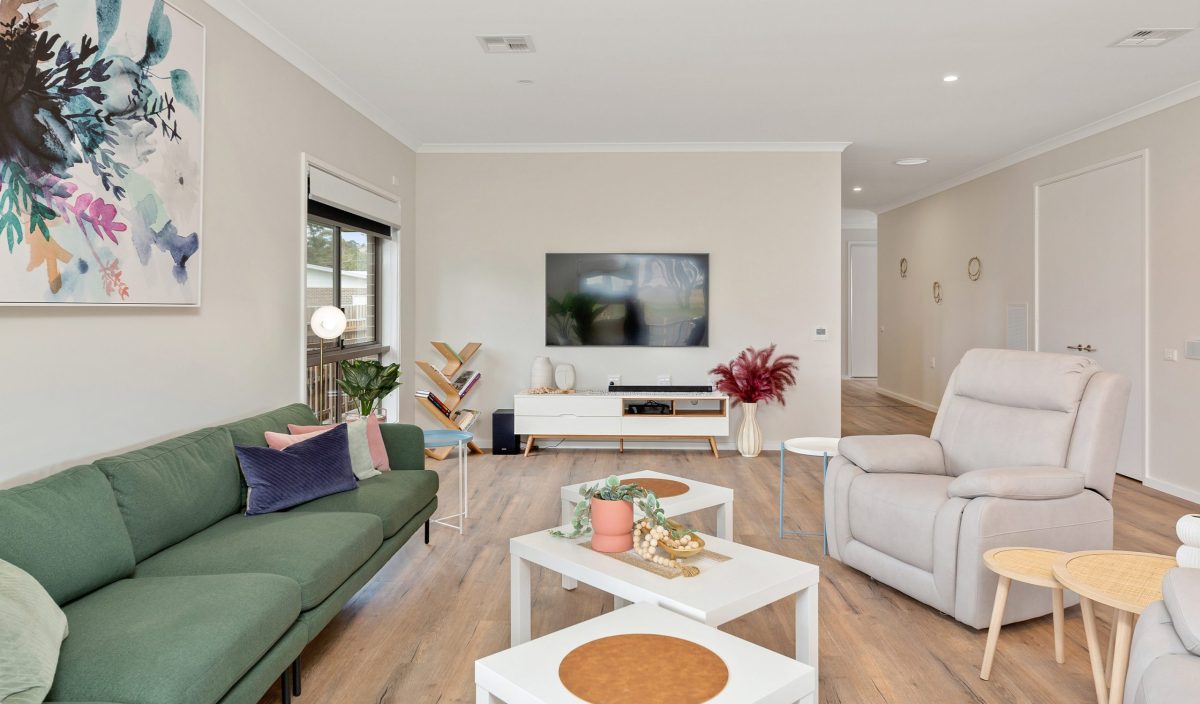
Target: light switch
{"x":1192,"y":350}
{"x":821,"y":333}
{"x":664,"y":379}
{"x":933,"y":362}
{"x":1171,"y":355}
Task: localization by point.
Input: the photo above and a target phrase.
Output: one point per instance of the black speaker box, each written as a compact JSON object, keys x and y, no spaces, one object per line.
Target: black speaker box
{"x":504,"y":440}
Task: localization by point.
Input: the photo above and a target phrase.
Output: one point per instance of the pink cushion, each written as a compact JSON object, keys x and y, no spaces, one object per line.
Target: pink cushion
{"x":278,"y":441}
{"x":374,"y":439}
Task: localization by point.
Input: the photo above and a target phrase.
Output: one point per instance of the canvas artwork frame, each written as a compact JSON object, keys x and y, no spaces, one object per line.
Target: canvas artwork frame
{"x":107,"y":207}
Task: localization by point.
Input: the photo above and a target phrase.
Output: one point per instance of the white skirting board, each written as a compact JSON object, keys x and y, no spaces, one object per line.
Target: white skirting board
{"x":932,"y":407}
{"x":1172,"y":489}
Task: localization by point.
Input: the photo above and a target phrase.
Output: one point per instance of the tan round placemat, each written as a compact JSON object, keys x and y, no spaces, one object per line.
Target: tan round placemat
{"x":643,"y":668}
{"x":662,"y":488}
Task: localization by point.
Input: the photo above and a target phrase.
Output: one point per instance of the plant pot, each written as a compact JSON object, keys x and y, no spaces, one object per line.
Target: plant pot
{"x":1188,"y":530}
{"x":612,"y":525}
{"x":749,"y":437}
{"x":542,"y":373}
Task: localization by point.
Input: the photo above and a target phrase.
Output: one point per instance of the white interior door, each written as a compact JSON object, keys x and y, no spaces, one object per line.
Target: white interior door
{"x":1091,"y":285}
{"x":864,"y":310}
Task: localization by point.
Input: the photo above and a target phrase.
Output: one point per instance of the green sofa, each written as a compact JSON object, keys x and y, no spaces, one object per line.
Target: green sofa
{"x":172,"y":594}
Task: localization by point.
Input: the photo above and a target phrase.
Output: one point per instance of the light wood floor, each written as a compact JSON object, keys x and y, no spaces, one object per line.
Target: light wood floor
{"x":412,"y":635}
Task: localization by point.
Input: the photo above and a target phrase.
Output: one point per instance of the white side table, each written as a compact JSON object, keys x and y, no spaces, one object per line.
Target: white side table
{"x":814,"y":447}
{"x":452,"y":438}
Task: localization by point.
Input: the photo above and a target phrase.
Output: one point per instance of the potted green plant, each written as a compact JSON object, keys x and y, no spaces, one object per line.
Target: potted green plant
{"x":368,"y":381}
{"x":606,"y":511}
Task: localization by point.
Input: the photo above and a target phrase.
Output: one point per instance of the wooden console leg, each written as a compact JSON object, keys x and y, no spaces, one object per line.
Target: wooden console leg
{"x":712,"y":442}
{"x":622,"y":445}
{"x":529,"y":441}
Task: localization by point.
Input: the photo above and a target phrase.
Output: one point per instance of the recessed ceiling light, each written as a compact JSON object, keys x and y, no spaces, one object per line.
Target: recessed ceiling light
{"x":950,"y":78}
{"x":911,"y":161}
{"x":858,"y":189}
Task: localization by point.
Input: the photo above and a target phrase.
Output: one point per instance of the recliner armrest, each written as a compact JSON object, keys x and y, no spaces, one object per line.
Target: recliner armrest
{"x":901,"y":454}
{"x":1017,"y":483}
{"x":1181,"y":594}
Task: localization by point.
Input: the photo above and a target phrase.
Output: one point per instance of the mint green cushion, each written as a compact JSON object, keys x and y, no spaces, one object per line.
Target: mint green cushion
{"x":318,"y":551}
{"x":175,"y":488}
{"x":32,"y":628}
{"x":66,"y":531}
{"x":249,"y":431}
{"x":405,"y":445}
{"x":393,"y":496}
{"x":171,"y":639}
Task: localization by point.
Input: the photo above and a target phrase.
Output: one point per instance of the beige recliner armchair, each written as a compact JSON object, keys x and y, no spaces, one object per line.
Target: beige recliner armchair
{"x":1023,"y":452}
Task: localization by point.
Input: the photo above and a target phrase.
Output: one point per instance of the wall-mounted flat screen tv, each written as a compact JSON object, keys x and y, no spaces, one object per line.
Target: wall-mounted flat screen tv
{"x":649,"y":300}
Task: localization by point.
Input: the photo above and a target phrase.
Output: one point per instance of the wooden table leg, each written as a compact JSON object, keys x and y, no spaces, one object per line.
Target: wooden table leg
{"x":529,"y":441}
{"x":1112,"y":643}
{"x":1056,"y":596}
{"x":1120,"y":666}
{"x":989,"y":653}
{"x":1093,"y":643}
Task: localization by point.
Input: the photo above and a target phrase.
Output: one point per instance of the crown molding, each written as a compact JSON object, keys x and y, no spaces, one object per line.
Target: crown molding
{"x":1162,"y":102}
{"x":262,"y":30}
{"x":630,"y":147}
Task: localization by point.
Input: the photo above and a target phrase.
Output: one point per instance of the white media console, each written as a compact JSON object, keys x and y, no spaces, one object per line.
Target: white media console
{"x":605,"y":415}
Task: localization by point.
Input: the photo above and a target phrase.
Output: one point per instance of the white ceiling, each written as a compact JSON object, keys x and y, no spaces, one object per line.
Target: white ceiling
{"x":632,"y":71}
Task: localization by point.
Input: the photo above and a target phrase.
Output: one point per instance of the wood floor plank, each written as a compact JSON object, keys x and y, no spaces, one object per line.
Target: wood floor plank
{"x":412,"y":634}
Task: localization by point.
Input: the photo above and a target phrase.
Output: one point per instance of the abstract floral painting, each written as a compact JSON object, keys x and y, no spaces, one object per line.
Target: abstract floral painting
{"x":101,"y":153}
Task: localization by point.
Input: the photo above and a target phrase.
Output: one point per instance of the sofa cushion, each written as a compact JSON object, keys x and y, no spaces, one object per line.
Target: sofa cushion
{"x":1018,"y":483}
{"x":316,"y":467}
{"x":66,"y":532}
{"x":249,"y":431}
{"x":318,"y":551}
{"x":896,"y":513}
{"x":393,"y":496}
{"x":171,"y":639}
{"x":360,"y":450}
{"x":171,"y":490}
{"x":1181,"y":594}
{"x":32,"y":628}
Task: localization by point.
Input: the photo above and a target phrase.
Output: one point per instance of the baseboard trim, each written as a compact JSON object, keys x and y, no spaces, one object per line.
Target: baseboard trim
{"x":908,"y":399}
{"x":1175,"y":490}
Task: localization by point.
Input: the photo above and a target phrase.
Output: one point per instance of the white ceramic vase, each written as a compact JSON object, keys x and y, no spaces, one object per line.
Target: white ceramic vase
{"x":1188,"y":530}
{"x":749,"y":437}
{"x":1188,"y":556}
{"x":542,"y":374}
{"x":564,"y":376}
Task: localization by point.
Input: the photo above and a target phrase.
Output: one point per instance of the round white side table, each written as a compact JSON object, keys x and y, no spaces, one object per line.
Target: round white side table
{"x":813,"y":447}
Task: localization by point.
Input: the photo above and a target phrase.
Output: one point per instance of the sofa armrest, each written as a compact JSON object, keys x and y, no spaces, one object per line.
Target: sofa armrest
{"x":1017,"y":483}
{"x":1181,"y":594}
{"x":405,"y":445}
{"x":901,"y":454}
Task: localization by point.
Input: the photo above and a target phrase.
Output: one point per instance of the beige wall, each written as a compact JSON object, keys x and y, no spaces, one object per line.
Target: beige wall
{"x":84,"y":382}
{"x":769,"y":221}
{"x":993,"y":217}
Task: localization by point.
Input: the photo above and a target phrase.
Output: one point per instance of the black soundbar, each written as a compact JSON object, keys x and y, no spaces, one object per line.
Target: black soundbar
{"x":659,"y":389}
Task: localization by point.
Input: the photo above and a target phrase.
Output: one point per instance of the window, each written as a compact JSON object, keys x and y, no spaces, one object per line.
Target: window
{"x":342,"y":270}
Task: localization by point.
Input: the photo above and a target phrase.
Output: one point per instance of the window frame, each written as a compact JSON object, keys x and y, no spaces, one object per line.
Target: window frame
{"x":342,"y":351}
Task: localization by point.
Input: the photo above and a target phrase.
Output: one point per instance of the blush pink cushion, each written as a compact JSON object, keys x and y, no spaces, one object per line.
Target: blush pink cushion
{"x":374,"y":439}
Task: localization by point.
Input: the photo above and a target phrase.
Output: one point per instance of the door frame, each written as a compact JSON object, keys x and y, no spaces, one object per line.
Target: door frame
{"x":1144,"y":155}
{"x":850,"y":245}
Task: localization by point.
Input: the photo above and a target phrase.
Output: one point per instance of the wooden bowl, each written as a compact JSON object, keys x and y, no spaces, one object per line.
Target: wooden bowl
{"x":679,"y":554}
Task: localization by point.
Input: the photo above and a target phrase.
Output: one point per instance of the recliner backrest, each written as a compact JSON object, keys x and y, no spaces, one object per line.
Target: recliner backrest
{"x":1006,"y":408}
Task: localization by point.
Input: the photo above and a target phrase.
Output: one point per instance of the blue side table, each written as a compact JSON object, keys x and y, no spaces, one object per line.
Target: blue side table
{"x":813,"y":447}
{"x":451,"y":438}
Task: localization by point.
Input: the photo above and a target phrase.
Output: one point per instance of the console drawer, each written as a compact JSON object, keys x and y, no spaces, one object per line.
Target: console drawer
{"x":567,"y":405}
{"x":552,"y":426}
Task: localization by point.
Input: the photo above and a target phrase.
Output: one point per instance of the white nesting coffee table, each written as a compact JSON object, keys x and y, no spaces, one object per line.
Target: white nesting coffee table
{"x":698,"y":497}
{"x":749,"y":580}
{"x":528,"y":674}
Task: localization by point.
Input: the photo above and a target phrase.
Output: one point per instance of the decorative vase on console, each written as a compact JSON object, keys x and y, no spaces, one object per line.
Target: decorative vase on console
{"x":542,"y":374}
{"x":1188,"y":530}
{"x":750,"y":378}
{"x":564,"y":376}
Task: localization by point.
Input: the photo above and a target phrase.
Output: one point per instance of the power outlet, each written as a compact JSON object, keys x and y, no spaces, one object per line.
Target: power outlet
{"x":664,"y":379}
{"x":933,"y":362}
{"x":614,"y":379}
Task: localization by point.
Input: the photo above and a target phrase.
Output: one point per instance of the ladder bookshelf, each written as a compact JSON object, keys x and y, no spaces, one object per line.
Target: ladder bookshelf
{"x":444,"y":389}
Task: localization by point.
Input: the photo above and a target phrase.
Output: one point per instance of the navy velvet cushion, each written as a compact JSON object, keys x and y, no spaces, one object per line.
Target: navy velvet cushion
{"x":308,"y":470}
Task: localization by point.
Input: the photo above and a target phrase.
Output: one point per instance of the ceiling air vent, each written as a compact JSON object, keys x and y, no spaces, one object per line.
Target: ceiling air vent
{"x":1152,"y":37}
{"x":511,"y":44}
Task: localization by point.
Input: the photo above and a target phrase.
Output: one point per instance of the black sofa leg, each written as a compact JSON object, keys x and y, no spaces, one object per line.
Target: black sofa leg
{"x":285,"y":691}
{"x":296,"y":677}
{"x":426,"y":532}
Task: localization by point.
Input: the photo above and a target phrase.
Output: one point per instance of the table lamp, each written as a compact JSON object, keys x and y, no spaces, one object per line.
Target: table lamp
{"x":327,"y":323}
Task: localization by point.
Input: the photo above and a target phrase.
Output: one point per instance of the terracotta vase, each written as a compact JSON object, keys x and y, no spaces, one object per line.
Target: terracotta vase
{"x":749,"y":437}
{"x":612,"y":525}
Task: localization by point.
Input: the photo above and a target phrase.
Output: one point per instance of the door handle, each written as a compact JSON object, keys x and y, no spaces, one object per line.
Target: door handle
{"x":1081,"y":348}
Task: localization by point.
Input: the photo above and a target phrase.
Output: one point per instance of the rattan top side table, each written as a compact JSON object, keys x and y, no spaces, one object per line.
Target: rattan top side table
{"x":1029,"y":566}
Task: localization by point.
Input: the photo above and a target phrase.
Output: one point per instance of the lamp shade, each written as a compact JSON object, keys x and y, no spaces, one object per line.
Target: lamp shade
{"x":328,"y":322}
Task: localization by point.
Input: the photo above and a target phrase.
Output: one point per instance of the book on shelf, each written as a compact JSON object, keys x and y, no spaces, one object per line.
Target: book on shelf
{"x":465,"y":418}
{"x":433,"y":399}
{"x":464,"y":381}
